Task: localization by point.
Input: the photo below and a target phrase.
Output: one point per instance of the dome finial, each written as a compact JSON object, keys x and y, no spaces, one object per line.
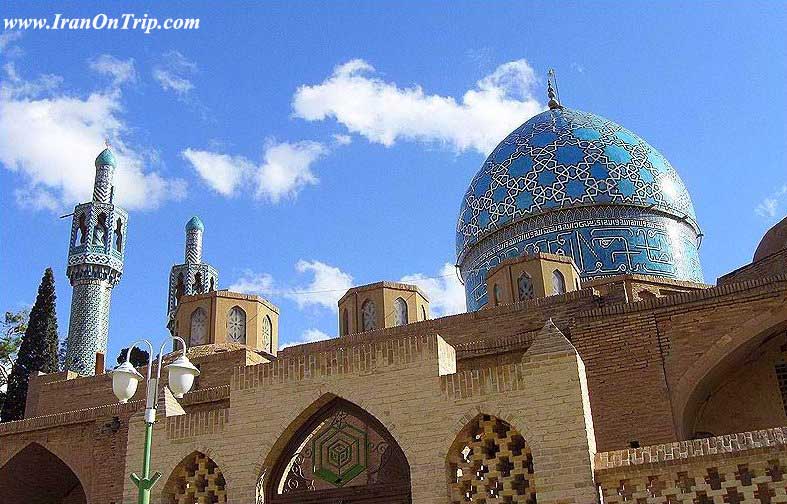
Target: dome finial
{"x":553,"y":96}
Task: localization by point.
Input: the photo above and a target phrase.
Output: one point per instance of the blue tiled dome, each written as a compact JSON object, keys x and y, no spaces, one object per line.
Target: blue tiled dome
{"x":106,"y":158}
{"x":565,"y":158}
{"x":195,"y":223}
{"x":577,"y":173}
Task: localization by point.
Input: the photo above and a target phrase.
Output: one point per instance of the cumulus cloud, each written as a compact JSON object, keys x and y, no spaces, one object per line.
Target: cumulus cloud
{"x":221,"y":172}
{"x":51,"y":138}
{"x":774,"y":205}
{"x":285,"y":169}
{"x":328,"y":284}
{"x":308,"y":336}
{"x":384,"y":112}
{"x":121,"y":71}
{"x":445,"y":292}
{"x":174,"y":73}
{"x":253,"y":283}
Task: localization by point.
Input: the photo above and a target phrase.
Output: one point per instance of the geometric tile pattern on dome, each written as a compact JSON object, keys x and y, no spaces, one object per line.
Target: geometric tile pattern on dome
{"x":564,"y":158}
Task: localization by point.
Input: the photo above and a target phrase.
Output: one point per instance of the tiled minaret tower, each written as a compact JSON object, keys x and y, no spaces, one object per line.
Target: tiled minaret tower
{"x":95,"y":264}
{"x":193,"y":276}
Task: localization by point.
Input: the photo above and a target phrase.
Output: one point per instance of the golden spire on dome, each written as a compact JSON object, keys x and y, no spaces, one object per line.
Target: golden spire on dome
{"x":554,"y":97}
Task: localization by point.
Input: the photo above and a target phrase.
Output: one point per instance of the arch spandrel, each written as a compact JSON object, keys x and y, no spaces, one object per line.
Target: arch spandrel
{"x":36,"y":475}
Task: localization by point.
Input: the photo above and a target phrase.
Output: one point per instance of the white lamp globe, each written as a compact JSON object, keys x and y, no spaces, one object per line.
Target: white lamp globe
{"x":124,"y":381}
{"x":181,"y":376}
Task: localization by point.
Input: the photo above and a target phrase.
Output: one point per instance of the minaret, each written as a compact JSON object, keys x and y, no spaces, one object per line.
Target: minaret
{"x":95,"y":265}
{"x":193,"y":276}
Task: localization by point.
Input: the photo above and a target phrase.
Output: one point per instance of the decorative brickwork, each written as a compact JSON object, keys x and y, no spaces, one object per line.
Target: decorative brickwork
{"x":492,"y":462}
{"x":743,"y":468}
{"x":196,"y":480}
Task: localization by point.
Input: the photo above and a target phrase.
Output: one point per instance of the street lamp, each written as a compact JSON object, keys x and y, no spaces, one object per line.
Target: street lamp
{"x":125,"y":379}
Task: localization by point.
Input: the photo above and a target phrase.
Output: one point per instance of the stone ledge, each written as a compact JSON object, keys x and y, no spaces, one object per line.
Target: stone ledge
{"x":681,"y":451}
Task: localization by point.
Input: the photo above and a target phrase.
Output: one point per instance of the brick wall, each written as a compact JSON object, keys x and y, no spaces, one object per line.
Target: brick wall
{"x":772,"y":265}
{"x":741,"y":468}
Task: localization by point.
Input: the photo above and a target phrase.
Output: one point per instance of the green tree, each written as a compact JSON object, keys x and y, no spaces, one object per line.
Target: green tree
{"x":14,"y":325}
{"x":37,"y":350}
{"x":138,"y":358}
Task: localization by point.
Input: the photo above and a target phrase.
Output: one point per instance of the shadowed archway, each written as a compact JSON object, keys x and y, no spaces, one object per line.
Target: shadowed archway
{"x":35,"y":475}
{"x":340,"y":454}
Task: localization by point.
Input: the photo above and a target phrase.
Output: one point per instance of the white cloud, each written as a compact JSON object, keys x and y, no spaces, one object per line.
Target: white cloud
{"x":342,"y":139}
{"x":284,"y":171}
{"x":385,"y":113}
{"x":771,"y":206}
{"x":445,"y":292}
{"x":254,"y":283}
{"x":6,"y":38}
{"x":328,"y":284}
{"x":221,"y":172}
{"x":174,"y":73}
{"x":308,"y":336}
{"x":287,"y":168}
{"x":52,"y":138}
{"x":120,"y":70}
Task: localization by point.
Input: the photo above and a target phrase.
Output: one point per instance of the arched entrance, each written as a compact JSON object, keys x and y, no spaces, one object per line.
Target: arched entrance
{"x":37,"y":476}
{"x":342,"y":454}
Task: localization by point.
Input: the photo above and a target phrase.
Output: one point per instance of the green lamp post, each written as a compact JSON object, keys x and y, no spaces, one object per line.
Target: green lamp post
{"x":125,"y":378}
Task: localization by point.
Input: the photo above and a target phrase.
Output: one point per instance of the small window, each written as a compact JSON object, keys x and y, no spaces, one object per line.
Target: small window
{"x":497,"y":292}
{"x":119,"y":236}
{"x":82,"y":230}
{"x":369,"y":315}
{"x":199,"y":327}
{"x":198,"y":283}
{"x":525,"y":287}
{"x":236,"y":325}
{"x":345,"y":322}
{"x":558,"y":283}
{"x":400,"y":312}
{"x":212,"y":284}
{"x":267,"y":331}
{"x":100,"y":231}
{"x":424,"y":315}
{"x":180,"y":288}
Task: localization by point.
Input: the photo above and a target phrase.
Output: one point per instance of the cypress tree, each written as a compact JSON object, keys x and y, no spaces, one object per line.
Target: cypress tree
{"x":38,"y":351}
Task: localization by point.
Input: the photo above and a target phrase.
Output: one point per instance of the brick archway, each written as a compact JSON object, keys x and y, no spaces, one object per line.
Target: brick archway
{"x":340,"y":453}
{"x":197,"y":478}
{"x":694,"y":386}
{"x":35,"y":475}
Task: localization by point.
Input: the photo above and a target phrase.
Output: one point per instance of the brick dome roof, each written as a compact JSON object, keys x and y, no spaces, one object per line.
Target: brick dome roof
{"x":773,"y":241}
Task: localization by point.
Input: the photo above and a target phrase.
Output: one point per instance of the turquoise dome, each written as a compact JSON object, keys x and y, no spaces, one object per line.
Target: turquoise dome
{"x":106,"y":158}
{"x":575,"y":183}
{"x":565,"y":158}
{"x":195,"y":223}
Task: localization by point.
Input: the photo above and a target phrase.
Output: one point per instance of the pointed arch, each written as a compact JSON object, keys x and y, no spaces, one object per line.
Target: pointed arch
{"x":197,"y":478}
{"x":400,"y":311}
{"x":198,"y":330}
{"x":368,"y":315}
{"x":119,"y":236}
{"x":335,"y":451}
{"x":35,"y":475}
{"x":558,"y":283}
{"x":524,"y":287}
{"x":489,"y":459}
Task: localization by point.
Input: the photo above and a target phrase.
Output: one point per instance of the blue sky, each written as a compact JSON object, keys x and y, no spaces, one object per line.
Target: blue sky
{"x":329,"y":144}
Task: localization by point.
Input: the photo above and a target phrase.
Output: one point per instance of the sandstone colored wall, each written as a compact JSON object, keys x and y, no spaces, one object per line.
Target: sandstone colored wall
{"x":741,"y":468}
{"x":399,"y":382}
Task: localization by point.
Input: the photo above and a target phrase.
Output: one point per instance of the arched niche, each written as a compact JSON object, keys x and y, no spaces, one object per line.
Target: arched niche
{"x":732,"y":366}
{"x":35,"y":475}
{"x":490,"y":461}
{"x":196,"y":479}
{"x":340,"y":453}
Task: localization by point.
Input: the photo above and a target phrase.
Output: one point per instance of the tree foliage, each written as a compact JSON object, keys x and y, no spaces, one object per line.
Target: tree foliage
{"x":139,"y":357}
{"x":37,"y":350}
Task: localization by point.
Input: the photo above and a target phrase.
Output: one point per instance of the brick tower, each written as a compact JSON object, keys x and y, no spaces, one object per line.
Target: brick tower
{"x":95,"y":265}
